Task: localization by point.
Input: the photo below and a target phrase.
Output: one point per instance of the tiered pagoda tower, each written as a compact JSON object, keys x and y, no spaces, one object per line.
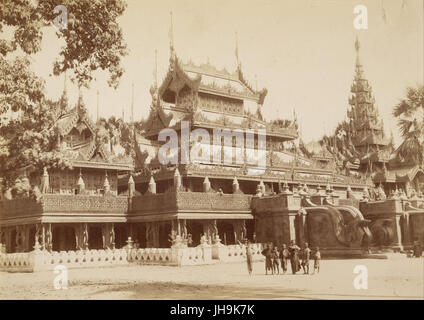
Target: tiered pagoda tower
{"x":366,"y":128}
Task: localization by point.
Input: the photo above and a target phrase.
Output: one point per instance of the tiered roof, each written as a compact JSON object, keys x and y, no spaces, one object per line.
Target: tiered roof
{"x":89,"y":153}
{"x":366,"y":128}
{"x":209,"y":98}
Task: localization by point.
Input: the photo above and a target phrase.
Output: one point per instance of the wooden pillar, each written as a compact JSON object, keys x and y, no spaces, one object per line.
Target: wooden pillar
{"x":149,"y":235}
{"x":105,"y":235}
{"x":2,"y":236}
{"x":49,"y":237}
{"x":130,"y":230}
{"x":43,"y":237}
{"x":112,"y":236}
{"x":406,"y":236}
{"x":152,"y":234}
{"x":81,"y":235}
{"x":239,"y":230}
{"x":17,"y":239}
{"x":292,"y":226}
{"x":303,"y":235}
{"x":398,"y":244}
{"x":175,"y":227}
{"x":156,"y":226}
{"x":183,"y":227}
{"x":7,"y":242}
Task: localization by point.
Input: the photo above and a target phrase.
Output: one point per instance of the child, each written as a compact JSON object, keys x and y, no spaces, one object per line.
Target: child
{"x":305,"y":258}
{"x":275,"y":261}
{"x":284,"y":256}
{"x":317,"y":258}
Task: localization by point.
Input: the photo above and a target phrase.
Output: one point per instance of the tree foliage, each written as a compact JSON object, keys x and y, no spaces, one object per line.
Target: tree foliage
{"x":410,"y":114}
{"x":93,"y":41}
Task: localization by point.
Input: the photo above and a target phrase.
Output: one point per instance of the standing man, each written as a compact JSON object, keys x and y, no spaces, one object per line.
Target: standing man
{"x":249,"y":257}
{"x":267,"y":252}
{"x":418,"y":251}
{"x":284,"y":256}
{"x":305,"y":258}
{"x":294,"y":257}
{"x":317,"y":259}
{"x":275,"y":260}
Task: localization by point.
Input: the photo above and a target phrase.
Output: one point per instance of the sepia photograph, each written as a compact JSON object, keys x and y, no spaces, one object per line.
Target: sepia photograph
{"x":219,"y":150}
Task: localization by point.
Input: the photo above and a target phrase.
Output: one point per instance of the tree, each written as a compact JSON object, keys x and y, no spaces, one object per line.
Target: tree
{"x":410,"y":114}
{"x":92,"y":41}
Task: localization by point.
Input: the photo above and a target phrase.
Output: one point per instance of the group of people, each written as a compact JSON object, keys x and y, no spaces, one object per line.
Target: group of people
{"x":299,"y":258}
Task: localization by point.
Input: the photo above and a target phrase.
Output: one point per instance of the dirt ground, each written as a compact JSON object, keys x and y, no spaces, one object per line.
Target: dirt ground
{"x":393,"y":278}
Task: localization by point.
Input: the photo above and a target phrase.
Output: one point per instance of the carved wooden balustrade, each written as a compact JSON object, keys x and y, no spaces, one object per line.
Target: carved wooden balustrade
{"x":190,"y":201}
{"x":58,"y":203}
{"x":154,"y":202}
{"x":84,"y":203}
{"x":19,"y":208}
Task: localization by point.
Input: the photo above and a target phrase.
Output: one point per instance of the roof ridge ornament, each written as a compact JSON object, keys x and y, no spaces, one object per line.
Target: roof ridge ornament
{"x":237,"y":54}
{"x":171,"y":39}
{"x":357,"y":47}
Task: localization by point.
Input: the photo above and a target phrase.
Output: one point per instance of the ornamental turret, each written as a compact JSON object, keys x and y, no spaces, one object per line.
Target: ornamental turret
{"x":366,"y":129}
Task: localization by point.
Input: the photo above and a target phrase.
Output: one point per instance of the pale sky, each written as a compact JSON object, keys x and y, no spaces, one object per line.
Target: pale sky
{"x":302,"y":51}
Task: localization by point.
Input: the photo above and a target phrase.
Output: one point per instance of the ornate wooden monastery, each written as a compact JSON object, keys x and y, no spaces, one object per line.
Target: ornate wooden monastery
{"x":209,"y":197}
{"x":104,"y":198}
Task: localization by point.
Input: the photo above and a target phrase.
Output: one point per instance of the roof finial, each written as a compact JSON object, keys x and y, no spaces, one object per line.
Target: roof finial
{"x":64,"y":98}
{"x":65,"y":87}
{"x":80,"y":102}
{"x":132,"y":103}
{"x":237,"y":55}
{"x":357,"y":47}
{"x":97,"y":116}
{"x":171,"y":36}
{"x":156,"y":68}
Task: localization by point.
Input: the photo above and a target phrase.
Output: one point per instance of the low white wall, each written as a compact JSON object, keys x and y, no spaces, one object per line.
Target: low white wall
{"x":236,"y":252}
{"x":44,"y":260}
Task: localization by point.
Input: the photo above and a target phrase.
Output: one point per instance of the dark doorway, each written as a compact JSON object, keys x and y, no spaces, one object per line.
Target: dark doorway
{"x":226,"y":232}
{"x":31,"y":240}
{"x":248,"y":187}
{"x":12,"y":242}
{"x":95,"y":237}
{"x":195,"y":229}
{"x":63,"y":238}
{"x":121,"y":236}
{"x":139,"y":230}
{"x":250,"y":229}
{"x":164,"y":232}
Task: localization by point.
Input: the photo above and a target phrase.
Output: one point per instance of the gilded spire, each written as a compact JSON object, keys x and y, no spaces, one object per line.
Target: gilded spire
{"x":132,"y":103}
{"x":357,"y":47}
{"x":156,"y":68}
{"x":171,"y":38}
{"x":65,"y":87}
{"x":80,"y":102}
{"x":236,"y":53}
{"x":97,"y":107}
{"x":64,"y":98}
